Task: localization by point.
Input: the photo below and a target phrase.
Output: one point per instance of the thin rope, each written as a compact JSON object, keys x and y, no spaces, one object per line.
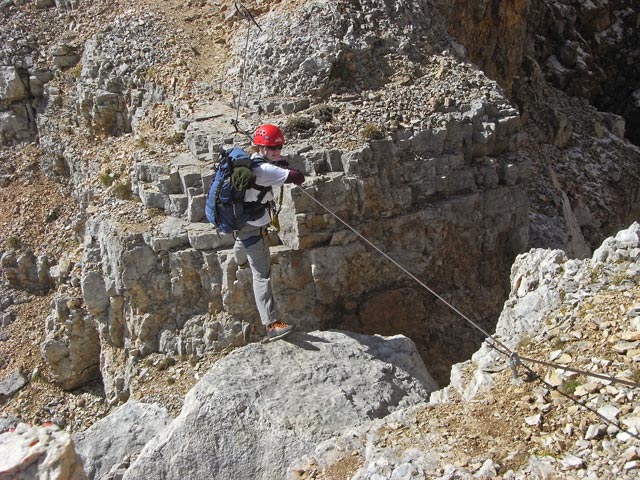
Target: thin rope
{"x":416,"y":279}
{"x":581,"y":403}
{"x":514,"y":359}
{"x":628,"y":383}
{"x":496,"y":343}
{"x":244,"y":12}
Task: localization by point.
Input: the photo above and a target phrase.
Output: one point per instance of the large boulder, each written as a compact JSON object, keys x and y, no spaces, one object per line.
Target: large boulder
{"x":544,"y":281}
{"x":266,"y":404}
{"x":38,"y":452}
{"x":72,"y":346}
{"x":112,"y":441}
{"x":25,"y":271}
{"x":12,"y":88}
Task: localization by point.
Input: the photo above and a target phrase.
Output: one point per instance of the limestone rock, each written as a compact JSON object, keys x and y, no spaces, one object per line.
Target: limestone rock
{"x":539,"y":281}
{"x":32,"y":452}
{"x":64,"y":56}
{"x":25,"y":271}
{"x":12,"y":88}
{"x":245,"y":418}
{"x":11,"y":384}
{"x":119,"y":437}
{"x":71,"y":346}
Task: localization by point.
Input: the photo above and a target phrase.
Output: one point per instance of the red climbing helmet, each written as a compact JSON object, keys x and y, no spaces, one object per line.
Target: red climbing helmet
{"x":269,"y":136}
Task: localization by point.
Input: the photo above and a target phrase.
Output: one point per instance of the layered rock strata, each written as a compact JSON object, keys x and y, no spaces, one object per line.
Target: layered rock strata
{"x":441,"y":192}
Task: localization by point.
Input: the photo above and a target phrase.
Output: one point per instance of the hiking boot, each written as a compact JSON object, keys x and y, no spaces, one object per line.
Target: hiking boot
{"x":278,"y":329}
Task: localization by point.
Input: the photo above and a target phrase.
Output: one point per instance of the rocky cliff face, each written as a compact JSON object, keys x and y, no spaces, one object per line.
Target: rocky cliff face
{"x":171,"y":286}
{"x":448,"y":172}
{"x":532,"y":420}
{"x":337,"y":404}
{"x":587,"y":49}
{"x":536,"y":50}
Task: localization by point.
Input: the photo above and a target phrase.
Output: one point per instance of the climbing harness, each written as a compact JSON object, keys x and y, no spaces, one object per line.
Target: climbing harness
{"x":275,"y":221}
{"x":514,"y":359}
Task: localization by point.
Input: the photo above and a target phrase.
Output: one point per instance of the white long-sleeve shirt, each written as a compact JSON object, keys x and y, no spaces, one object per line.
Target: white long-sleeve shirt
{"x":267,"y":175}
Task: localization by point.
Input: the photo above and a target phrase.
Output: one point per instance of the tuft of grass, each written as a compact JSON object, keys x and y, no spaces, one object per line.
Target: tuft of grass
{"x":595,"y":273}
{"x":76,"y":70}
{"x":618,"y":279}
{"x":155,"y":212}
{"x":323,"y":112}
{"x":166,"y":363}
{"x":372,"y":131}
{"x":174,"y":139}
{"x":150,"y":73}
{"x":142,"y":142}
{"x":525,"y":341}
{"x":38,"y":377}
{"x":106,"y":179}
{"x":299,"y":123}
{"x":53,"y":215}
{"x":13,"y":243}
{"x":569,"y":387}
{"x":122,"y":191}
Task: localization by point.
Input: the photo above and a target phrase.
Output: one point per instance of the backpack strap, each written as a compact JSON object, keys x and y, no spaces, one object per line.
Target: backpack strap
{"x":255,"y":161}
{"x":263,"y":192}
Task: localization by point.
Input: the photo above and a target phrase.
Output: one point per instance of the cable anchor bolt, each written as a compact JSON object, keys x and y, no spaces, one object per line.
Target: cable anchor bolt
{"x":514,"y":362}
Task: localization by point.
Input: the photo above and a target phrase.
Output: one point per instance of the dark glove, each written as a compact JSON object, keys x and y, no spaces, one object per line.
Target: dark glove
{"x":281,"y":163}
{"x":242,"y":178}
{"x":295,"y":176}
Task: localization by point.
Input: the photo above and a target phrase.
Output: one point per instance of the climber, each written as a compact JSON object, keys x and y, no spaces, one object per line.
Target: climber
{"x":252,"y":243}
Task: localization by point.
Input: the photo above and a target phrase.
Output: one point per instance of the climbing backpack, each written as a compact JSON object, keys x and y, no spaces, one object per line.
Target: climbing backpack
{"x":225,"y":206}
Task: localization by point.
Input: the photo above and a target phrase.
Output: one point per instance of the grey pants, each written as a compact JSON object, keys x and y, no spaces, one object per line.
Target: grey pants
{"x":252,"y":244}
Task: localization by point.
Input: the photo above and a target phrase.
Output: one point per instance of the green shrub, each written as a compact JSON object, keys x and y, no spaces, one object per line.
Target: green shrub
{"x":342,"y":71}
{"x":13,"y":243}
{"x":76,"y":70}
{"x":166,"y":363}
{"x":299,"y":123}
{"x":122,"y":191}
{"x":372,"y":131}
{"x":323,"y":112}
{"x":107,"y":177}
